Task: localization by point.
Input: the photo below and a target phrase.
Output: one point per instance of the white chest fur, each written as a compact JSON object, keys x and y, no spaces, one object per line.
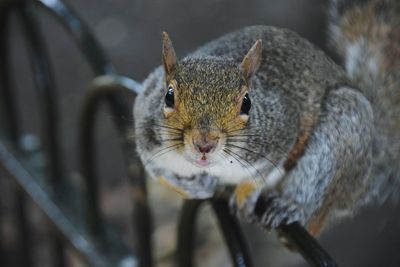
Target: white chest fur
{"x":228,"y":170}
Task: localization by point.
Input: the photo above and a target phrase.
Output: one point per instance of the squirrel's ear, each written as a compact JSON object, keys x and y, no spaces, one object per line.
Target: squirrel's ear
{"x":252,"y":60}
{"x":168,"y":53}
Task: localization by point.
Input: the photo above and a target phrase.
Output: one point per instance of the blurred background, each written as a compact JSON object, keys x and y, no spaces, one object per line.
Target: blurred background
{"x":130,"y":31}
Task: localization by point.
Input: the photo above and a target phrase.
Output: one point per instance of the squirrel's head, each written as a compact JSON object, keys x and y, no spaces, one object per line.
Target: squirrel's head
{"x":206,"y":102}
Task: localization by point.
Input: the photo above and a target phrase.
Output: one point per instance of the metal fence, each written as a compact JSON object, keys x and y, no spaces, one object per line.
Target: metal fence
{"x":81,"y":226}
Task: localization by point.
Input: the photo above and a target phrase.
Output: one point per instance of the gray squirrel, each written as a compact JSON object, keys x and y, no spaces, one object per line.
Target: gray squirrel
{"x":264,"y":110}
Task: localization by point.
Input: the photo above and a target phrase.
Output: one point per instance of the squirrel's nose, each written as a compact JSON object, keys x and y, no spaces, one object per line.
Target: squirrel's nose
{"x":205,"y":146}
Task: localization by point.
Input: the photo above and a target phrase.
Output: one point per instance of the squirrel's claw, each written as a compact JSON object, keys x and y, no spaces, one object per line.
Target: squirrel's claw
{"x":268,"y":209}
{"x":273,"y":210}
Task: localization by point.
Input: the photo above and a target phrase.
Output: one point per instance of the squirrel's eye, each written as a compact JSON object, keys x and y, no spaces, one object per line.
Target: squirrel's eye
{"x":246,"y":105}
{"x":169,"y":97}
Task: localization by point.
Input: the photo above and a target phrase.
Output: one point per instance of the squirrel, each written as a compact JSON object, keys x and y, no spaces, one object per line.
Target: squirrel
{"x":264,"y":110}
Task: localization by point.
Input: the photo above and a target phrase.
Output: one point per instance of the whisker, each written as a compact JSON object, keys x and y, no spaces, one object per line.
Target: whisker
{"x":239,"y":160}
{"x":251,"y":151}
{"x":161,"y":152}
{"x":246,"y":141}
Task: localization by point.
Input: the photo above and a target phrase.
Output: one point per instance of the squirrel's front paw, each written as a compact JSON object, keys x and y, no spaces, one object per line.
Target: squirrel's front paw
{"x":268,"y":208}
{"x":273,"y":210}
{"x":243,"y":201}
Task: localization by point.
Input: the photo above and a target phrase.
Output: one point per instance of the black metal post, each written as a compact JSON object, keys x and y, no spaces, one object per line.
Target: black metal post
{"x":9,"y":116}
{"x":111,"y":89}
{"x":48,"y":102}
{"x":186,"y":232}
{"x":141,"y":216}
{"x":307,"y":246}
{"x":12,"y":131}
{"x":232,"y":233}
{"x":229,"y":226}
{"x":46,"y":89}
{"x":25,"y":243}
{"x":4,"y":119}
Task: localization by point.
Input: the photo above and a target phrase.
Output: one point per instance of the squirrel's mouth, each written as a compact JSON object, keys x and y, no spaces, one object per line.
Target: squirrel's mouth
{"x":202,"y":162}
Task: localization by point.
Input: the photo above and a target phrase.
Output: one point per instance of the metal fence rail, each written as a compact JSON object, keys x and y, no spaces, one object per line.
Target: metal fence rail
{"x":83,"y":228}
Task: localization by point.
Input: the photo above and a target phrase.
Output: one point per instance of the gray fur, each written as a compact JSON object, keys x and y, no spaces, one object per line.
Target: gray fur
{"x":377,"y":44}
{"x":294,"y":79}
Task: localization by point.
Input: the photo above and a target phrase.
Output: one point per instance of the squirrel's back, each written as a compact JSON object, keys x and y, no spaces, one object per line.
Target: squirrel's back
{"x":366,"y":34}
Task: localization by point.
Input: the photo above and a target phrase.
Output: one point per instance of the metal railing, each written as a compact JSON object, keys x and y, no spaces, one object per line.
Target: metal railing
{"x":83,"y":228}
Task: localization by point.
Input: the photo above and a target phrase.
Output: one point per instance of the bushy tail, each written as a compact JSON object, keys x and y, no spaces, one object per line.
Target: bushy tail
{"x":366,"y":34}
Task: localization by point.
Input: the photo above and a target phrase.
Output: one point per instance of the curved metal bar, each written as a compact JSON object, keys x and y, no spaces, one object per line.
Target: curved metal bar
{"x":46,"y":88}
{"x":229,"y":226}
{"x":45,"y":84}
{"x":88,"y":44}
{"x":90,"y":47}
{"x":111,"y":89}
{"x":307,"y":246}
{"x":91,"y":254}
{"x":233,"y":235}
{"x":10,"y":125}
{"x":186,"y":232}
